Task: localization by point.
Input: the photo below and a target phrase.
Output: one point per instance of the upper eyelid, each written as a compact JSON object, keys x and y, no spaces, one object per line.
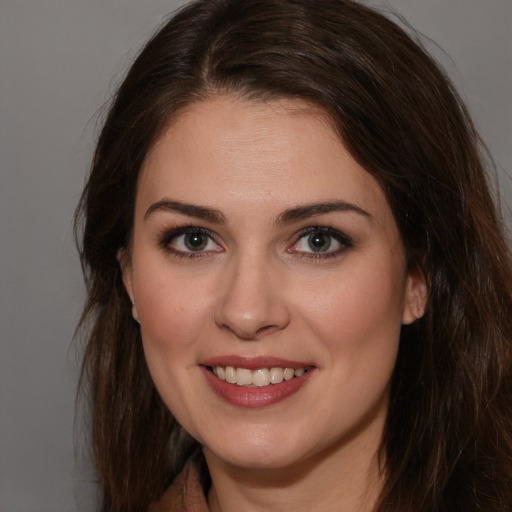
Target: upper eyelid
{"x":168,"y":234}
{"x":329,"y":230}
{"x":165,"y":243}
{"x":345,"y":243}
{"x":172,"y":232}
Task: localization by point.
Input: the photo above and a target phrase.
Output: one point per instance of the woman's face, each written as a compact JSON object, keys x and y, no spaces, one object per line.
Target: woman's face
{"x":270,"y":284}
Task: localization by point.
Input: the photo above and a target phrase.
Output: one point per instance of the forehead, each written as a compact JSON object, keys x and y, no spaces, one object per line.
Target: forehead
{"x":258,"y":153}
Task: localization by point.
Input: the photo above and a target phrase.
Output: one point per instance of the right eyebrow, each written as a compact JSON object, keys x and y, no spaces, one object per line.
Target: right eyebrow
{"x":314,"y":209}
{"x":192,"y":210}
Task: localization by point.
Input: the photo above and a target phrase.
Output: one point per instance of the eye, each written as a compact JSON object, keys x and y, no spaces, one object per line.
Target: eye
{"x":189,"y":241}
{"x":321,"y":241}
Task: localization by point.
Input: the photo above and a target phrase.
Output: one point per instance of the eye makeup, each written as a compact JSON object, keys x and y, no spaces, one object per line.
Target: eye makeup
{"x":314,"y":243}
{"x":189,"y":242}
{"x":320,"y":242}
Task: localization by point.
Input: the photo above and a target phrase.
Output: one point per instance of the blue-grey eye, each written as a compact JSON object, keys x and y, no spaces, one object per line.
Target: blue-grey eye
{"x":190,"y":240}
{"x":319,"y":242}
{"x":195,"y":241}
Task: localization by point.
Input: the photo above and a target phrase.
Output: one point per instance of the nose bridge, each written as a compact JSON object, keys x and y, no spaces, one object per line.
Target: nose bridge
{"x":251,"y":301}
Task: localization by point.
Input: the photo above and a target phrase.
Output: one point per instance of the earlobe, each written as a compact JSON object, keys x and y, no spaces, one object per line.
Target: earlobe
{"x":415,"y":297}
{"x":126,"y":270}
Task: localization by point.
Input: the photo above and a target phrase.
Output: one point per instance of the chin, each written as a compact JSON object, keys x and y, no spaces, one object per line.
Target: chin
{"x":264,"y":449}
{"x":259,"y":450}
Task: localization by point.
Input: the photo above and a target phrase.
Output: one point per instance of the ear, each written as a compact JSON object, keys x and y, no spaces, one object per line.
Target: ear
{"x":126,"y":270}
{"x":415,"y":297}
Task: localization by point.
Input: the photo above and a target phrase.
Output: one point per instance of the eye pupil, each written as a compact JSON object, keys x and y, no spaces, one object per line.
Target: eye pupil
{"x":319,"y":242}
{"x":195,"y":241}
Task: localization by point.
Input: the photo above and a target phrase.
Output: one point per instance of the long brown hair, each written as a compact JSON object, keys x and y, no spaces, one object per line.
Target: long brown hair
{"x":447,"y":445}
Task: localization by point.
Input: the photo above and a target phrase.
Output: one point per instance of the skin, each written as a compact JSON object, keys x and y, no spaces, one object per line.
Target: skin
{"x":258,"y":289}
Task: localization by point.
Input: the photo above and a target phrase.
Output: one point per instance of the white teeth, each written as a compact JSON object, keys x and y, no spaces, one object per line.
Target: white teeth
{"x":276,"y":375}
{"x":243,"y":376}
{"x":230,"y":375}
{"x":288,"y":373}
{"x":259,"y":378}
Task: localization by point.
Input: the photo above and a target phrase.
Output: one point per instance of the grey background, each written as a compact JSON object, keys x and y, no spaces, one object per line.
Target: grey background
{"x":59,"y":62}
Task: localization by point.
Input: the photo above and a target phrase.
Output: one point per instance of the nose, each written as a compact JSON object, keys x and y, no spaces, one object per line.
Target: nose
{"x":251,"y":301}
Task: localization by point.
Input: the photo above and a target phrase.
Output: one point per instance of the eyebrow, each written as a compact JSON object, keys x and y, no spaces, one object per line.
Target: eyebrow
{"x":288,"y":216}
{"x":314,"y":209}
{"x":192,"y":210}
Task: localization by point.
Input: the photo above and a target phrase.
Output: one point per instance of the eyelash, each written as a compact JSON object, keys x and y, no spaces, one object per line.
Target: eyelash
{"x":170,"y":235}
{"x":345,"y":242}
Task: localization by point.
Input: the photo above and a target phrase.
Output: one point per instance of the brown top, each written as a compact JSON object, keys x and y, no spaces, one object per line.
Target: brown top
{"x":185,"y":494}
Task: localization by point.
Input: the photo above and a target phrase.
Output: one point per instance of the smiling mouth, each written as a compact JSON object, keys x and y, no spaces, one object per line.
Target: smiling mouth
{"x":262,"y":377}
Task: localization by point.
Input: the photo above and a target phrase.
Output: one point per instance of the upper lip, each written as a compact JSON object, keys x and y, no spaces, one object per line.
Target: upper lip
{"x":254,"y":363}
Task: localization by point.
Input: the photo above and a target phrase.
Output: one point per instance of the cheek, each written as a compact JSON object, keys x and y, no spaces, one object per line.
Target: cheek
{"x":172,"y":316}
{"x":358,"y":314}
{"x":172,"y":310}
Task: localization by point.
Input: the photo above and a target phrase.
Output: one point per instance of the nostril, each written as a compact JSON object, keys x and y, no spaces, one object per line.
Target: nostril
{"x":248,"y":334}
{"x":265,"y":329}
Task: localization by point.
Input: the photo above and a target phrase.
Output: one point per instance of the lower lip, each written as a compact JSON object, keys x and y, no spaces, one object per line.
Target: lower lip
{"x":242,"y":396}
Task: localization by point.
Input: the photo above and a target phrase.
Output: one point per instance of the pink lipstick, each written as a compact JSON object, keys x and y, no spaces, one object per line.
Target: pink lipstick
{"x":255,"y":381}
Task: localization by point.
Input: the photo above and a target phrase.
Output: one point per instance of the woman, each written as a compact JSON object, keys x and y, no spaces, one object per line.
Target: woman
{"x":299,"y":294}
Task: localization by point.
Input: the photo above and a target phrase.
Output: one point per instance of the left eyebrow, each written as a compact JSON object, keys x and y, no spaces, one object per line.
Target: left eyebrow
{"x":191,"y":210}
{"x":314,"y":209}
